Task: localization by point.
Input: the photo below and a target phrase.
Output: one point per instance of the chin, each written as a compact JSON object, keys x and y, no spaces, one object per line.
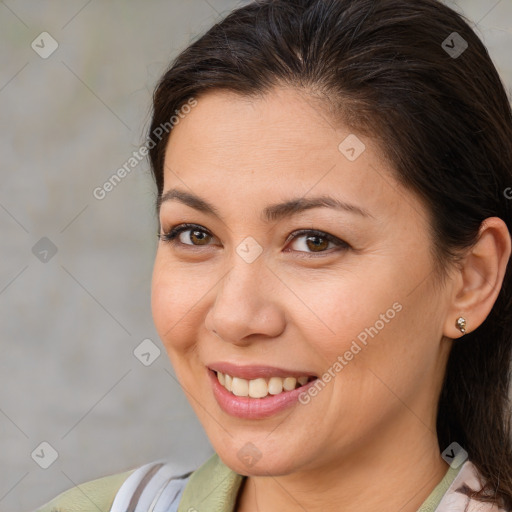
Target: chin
{"x":245,"y":458}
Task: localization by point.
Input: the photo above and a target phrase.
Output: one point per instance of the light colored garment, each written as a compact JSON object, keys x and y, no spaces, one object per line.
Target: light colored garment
{"x":214,"y":487}
{"x":155,"y":487}
{"x":455,"y":499}
{"x":96,"y":495}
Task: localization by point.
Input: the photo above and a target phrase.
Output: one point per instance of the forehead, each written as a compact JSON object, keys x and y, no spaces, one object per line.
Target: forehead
{"x":278,"y":120}
{"x":231,"y":146}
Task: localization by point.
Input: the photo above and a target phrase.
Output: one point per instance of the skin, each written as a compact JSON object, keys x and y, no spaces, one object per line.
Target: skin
{"x":375,"y":421}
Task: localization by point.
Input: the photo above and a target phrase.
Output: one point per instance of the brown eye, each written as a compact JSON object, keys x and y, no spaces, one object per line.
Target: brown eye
{"x":317,"y":243}
{"x":197,"y":236}
{"x":311,"y":242}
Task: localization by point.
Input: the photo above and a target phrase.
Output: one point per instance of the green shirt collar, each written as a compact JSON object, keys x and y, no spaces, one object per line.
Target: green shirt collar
{"x":214,"y":487}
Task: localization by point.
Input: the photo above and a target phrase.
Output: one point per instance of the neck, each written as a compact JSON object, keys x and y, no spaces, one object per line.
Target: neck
{"x":399,"y":475}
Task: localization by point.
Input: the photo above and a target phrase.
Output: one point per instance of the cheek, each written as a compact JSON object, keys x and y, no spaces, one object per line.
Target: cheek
{"x":390,"y":357}
{"x":176,"y":296}
{"x":373,"y":322}
{"x":337,"y":308}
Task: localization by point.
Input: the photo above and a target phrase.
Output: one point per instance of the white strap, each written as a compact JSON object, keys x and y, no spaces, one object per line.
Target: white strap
{"x":154,"y":487}
{"x":170,"y":496}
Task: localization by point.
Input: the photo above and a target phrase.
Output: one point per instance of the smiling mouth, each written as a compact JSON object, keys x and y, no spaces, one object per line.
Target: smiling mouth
{"x":260,"y":387}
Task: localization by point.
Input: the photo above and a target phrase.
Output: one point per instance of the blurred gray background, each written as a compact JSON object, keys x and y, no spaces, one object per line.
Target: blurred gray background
{"x":75,"y":271}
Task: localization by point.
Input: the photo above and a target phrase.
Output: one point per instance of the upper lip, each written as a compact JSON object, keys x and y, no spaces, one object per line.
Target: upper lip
{"x":251,"y":372}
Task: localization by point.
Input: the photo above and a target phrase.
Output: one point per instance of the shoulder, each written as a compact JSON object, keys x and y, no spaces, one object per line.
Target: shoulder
{"x":122,"y":491}
{"x":95,"y":495}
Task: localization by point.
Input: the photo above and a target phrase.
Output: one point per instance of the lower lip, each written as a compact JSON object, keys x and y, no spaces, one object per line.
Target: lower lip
{"x":254,"y":408}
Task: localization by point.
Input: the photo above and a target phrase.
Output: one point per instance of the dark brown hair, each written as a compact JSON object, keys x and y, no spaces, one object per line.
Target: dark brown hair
{"x":389,"y":69}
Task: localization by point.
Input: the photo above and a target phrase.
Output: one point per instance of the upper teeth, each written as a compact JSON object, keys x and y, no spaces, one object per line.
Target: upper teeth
{"x":259,"y":388}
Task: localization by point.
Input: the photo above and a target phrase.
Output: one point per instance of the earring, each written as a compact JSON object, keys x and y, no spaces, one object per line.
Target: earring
{"x":461,"y":324}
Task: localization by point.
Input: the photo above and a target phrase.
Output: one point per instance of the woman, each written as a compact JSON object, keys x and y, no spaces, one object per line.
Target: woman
{"x":332,"y":281}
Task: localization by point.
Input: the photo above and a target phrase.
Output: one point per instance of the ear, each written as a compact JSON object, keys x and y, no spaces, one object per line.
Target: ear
{"x":479,"y":278}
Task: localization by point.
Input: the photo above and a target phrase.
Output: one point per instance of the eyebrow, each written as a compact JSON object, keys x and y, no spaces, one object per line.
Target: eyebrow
{"x":272,"y":212}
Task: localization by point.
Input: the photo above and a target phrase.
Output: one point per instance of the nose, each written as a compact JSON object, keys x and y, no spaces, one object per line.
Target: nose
{"x":246,"y":306}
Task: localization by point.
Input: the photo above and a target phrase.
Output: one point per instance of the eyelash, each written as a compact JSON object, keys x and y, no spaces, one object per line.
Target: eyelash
{"x":172,"y":237}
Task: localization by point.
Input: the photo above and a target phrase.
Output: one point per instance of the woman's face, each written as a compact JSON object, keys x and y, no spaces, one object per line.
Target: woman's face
{"x":242,"y":292}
